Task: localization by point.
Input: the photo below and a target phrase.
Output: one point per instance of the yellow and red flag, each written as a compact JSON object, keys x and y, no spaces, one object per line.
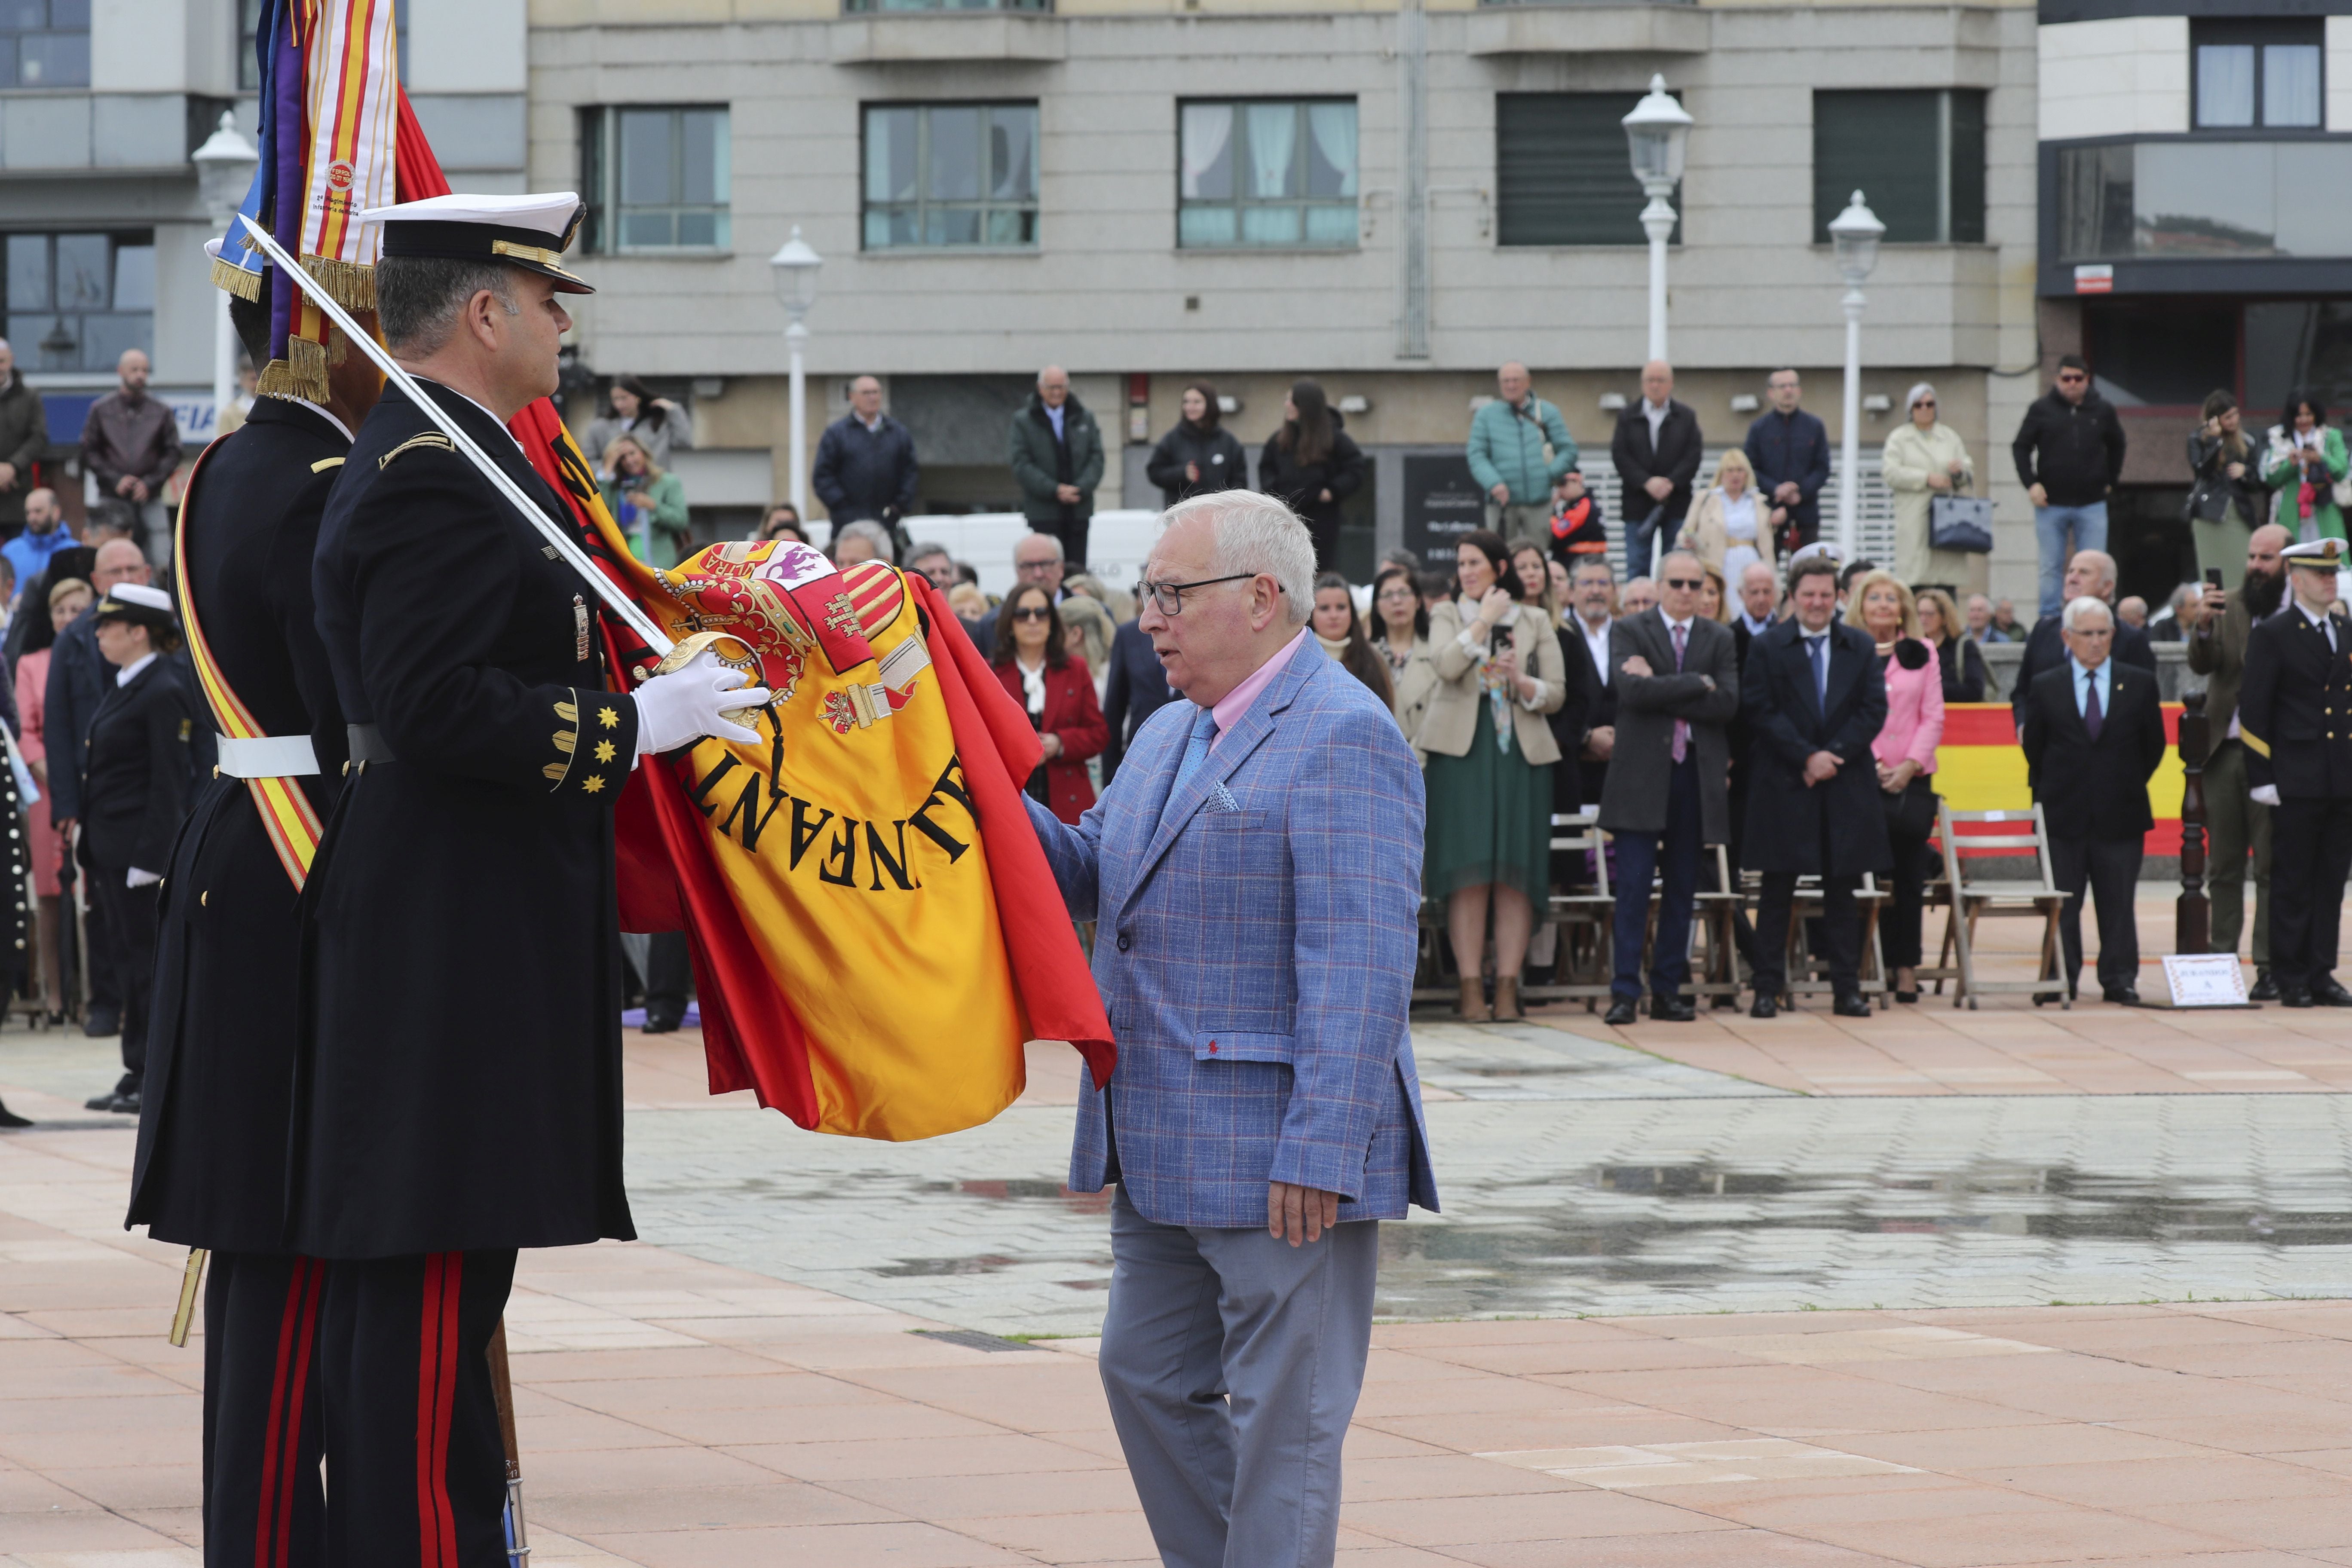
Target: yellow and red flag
{"x":1979,"y":768}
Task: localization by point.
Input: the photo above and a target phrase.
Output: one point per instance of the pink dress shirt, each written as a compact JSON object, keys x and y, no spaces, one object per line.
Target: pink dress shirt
{"x":1238,"y":701}
{"x":1914,"y":715}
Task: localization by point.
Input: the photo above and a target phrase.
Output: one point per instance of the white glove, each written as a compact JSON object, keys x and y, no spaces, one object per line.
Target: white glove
{"x":685,"y":705}
{"x":138,"y":879}
{"x":2266,"y":794}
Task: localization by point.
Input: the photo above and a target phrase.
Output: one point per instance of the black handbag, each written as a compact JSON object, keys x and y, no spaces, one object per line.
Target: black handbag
{"x":1912,"y":814}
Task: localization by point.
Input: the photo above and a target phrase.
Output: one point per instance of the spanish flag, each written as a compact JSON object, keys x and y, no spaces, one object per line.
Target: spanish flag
{"x":1978,"y":767}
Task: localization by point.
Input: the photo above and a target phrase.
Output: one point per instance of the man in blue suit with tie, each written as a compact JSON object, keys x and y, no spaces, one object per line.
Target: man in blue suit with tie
{"x":1255,"y":875}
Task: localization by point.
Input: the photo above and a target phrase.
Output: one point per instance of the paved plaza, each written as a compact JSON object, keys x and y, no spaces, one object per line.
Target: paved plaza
{"x":1939,"y":1288}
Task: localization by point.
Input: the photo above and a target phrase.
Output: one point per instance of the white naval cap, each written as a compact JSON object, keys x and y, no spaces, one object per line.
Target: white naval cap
{"x":2319,"y":555}
{"x":531,"y":232}
{"x":1821,"y":550}
{"x":138,"y":603}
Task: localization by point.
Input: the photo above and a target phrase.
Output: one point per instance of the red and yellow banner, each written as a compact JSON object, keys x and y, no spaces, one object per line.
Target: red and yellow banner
{"x":1980,"y":768}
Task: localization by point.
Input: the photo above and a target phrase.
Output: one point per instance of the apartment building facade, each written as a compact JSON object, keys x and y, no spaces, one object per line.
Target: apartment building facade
{"x":1390,"y":197}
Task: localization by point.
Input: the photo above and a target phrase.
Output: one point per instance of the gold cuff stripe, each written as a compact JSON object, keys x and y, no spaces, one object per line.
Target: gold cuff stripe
{"x":566,"y":741}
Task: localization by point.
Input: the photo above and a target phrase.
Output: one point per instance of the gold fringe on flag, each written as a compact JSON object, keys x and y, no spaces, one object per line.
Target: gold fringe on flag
{"x":349,"y":284}
{"x":236,"y":280}
{"x":302,"y":373}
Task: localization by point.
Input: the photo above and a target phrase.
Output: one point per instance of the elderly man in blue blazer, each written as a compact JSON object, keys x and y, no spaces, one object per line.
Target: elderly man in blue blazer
{"x":1254,"y":872}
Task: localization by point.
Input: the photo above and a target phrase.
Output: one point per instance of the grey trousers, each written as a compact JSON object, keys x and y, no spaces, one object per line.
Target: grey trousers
{"x":2239,"y":825}
{"x":1233,"y":1361}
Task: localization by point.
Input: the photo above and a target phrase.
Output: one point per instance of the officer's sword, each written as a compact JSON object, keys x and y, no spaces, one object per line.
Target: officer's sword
{"x":621,"y":606}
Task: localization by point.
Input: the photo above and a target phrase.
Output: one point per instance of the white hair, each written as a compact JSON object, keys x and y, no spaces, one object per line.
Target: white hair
{"x":1918,"y":390}
{"x":886,"y":549}
{"x":2083,"y":606}
{"x":1253,"y":535}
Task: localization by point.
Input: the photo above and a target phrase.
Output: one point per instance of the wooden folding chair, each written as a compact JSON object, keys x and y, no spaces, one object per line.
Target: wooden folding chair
{"x":1969,"y":899}
{"x":1807,"y":970}
{"x":1713,"y":914}
{"x":1585,"y":916}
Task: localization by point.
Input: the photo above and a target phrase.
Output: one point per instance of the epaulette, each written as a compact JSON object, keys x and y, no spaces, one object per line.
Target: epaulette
{"x":430,"y":438}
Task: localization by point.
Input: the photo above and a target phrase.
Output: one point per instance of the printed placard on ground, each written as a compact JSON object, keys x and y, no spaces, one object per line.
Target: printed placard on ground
{"x":2205,"y":980}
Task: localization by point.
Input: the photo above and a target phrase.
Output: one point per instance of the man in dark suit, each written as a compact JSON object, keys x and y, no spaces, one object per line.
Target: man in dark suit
{"x":2091,"y":573}
{"x":2294,"y":714}
{"x":1790,"y":450}
{"x":2094,"y":732}
{"x":1760,"y":595}
{"x":1813,"y":699}
{"x":1135,"y":688}
{"x":1656,"y":450}
{"x":1677,"y":687}
{"x":1592,"y":592}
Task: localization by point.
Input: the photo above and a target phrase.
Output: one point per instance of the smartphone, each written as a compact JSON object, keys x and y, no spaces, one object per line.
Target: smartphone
{"x":2212,"y":576}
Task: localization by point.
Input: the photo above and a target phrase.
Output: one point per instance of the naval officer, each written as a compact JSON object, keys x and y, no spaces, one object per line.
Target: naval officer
{"x":458,"y":1078}
{"x":2294,"y":715}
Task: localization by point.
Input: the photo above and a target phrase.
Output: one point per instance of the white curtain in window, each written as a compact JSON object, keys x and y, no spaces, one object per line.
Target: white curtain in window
{"x":1273,"y":140}
{"x":1208,"y":130}
{"x":1333,"y":126}
{"x":2291,"y":84}
{"x":2225,"y":84}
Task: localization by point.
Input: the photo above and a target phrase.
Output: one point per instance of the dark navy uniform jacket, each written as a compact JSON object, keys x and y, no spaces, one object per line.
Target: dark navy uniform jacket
{"x":2294,"y":707}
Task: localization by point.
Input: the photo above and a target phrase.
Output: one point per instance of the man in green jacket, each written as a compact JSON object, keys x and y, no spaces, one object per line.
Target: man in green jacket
{"x":2239,"y":824}
{"x":1507,"y":438}
{"x":1058,"y":460}
{"x":24,"y":436}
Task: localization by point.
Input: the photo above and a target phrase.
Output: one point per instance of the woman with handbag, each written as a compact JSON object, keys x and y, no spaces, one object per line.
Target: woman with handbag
{"x":1925,"y":461}
{"x":1905,"y":750}
{"x":2307,"y":466}
{"x":2224,"y":502}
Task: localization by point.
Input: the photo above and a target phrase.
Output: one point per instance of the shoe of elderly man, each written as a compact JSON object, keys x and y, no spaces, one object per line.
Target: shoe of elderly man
{"x":2328,"y":992}
{"x":1623,"y":1011}
{"x":2265,"y":989}
{"x":1851,"y":1005}
{"x":1672,"y":1009}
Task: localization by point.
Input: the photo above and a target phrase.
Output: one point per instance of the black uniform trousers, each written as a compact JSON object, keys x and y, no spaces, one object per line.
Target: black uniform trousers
{"x":1838,"y":933}
{"x":263,"y":1507}
{"x":411,"y":1427}
{"x":128,"y":915}
{"x":2110,"y":866}
{"x":669,"y":972}
{"x":2311,"y":855}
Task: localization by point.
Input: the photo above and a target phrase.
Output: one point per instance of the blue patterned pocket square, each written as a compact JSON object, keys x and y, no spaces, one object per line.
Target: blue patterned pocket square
{"x":1220,"y":799}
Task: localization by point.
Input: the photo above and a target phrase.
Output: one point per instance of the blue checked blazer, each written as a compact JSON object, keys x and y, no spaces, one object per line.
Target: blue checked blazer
{"x":1255,"y":949}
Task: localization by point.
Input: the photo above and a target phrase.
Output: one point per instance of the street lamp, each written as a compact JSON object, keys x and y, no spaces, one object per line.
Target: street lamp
{"x":796,"y":266}
{"x":225,"y":166}
{"x":1656,"y":134}
{"x":1853,"y":239}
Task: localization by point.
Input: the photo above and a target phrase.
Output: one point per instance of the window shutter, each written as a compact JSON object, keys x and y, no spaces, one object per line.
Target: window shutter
{"x":1561,"y":171}
{"x":1886,"y":145}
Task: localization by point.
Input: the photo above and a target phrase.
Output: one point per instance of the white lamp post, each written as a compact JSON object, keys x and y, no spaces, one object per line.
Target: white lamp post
{"x":796,"y":266}
{"x":1854,"y":239}
{"x":1656,"y":134}
{"x":225,"y":166}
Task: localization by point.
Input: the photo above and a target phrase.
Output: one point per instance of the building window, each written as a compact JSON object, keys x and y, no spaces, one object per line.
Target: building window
{"x":1562,"y":176}
{"x":1261,"y":174}
{"x":76,"y":301}
{"x":655,"y":179}
{"x":248,"y":24}
{"x":2259,"y":73}
{"x":950,"y":175}
{"x":1918,"y":158}
{"x":2208,"y":199}
{"x":45,"y":43}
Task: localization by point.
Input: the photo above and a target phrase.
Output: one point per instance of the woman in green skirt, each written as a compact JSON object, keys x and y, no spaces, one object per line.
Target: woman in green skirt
{"x":1490,"y":754}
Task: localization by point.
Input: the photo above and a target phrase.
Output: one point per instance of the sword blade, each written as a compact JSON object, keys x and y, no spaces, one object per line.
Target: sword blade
{"x":618,"y":602}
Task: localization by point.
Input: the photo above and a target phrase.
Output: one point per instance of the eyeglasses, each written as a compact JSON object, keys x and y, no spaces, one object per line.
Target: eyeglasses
{"x":2071,"y":376}
{"x":1170,"y":596}
{"x":1033,"y":613}
{"x":1398,"y":597}
{"x":1034,"y":568}
{"x":1693,"y":583}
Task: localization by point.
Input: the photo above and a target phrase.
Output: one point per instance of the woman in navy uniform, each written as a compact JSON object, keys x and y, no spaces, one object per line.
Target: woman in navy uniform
{"x":2294,"y":715}
{"x":134,"y":792}
{"x":457,"y":1092}
{"x":211,"y":1165}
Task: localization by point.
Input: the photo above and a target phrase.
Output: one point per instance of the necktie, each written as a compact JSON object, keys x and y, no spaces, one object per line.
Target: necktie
{"x":1196,"y":751}
{"x":1681,"y":726}
{"x":2092,"y":720}
{"x":1816,"y":649}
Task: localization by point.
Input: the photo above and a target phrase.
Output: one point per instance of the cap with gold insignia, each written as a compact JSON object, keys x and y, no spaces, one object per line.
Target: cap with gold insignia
{"x":139,"y":604}
{"x":1820,"y":550}
{"x":531,"y":232}
{"x":2319,"y":555}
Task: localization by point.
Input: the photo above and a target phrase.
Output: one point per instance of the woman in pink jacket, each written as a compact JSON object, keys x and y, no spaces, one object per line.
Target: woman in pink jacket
{"x":1906,"y":748}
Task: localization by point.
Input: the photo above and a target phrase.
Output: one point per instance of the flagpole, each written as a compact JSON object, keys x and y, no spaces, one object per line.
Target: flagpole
{"x":623,"y":607}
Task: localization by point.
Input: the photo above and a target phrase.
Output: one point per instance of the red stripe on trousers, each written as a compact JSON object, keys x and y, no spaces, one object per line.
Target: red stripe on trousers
{"x":436,"y":1375}
{"x":309,"y":1276}
{"x":273,"y":1436}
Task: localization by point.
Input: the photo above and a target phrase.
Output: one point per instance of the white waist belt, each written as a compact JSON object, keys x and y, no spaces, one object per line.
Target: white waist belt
{"x":268,"y":757}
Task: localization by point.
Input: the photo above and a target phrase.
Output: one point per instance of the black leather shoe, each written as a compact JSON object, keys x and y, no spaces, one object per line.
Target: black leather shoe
{"x":124,"y":1104}
{"x":2294,"y":996}
{"x":1672,"y":1009}
{"x":10,"y":1119}
{"x":1765,"y":1006}
{"x":2265,"y":989}
{"x":2121,"y":995}
{"x":2329,"y":993}
{"x":1621,"y":1011}
{"x":662,"y":1023}
{"x":1851,"y":1005}
{"x":100,"y":1024}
